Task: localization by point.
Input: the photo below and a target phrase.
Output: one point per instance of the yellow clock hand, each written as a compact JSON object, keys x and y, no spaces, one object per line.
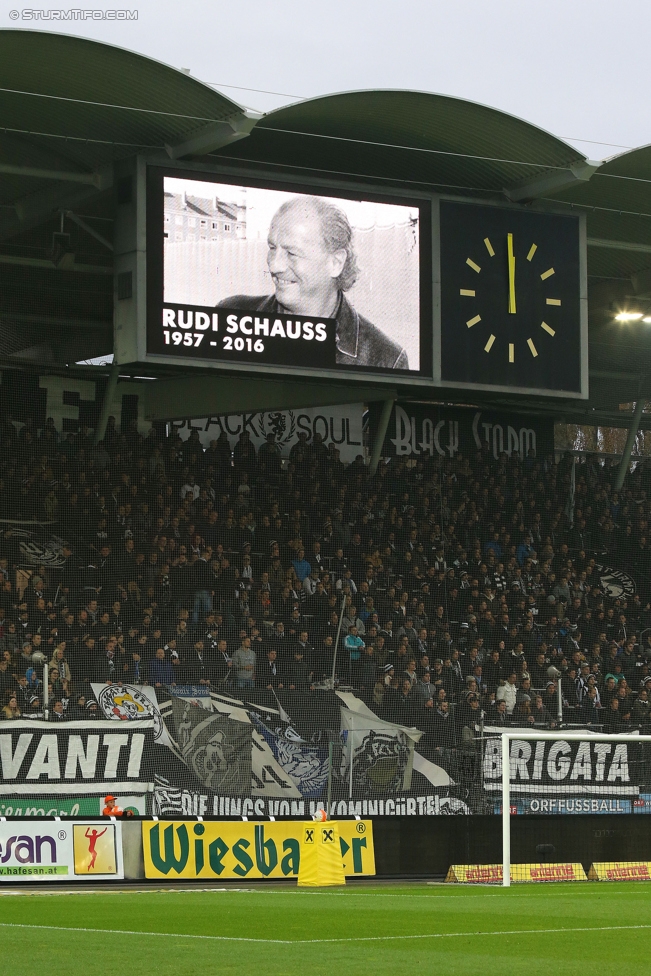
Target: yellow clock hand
{"x":509,"y":244}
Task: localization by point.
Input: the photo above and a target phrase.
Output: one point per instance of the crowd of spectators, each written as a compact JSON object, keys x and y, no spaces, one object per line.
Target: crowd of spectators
{"x":441,"y":590}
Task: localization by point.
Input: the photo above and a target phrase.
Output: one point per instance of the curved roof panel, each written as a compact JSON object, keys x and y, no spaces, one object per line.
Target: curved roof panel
{"x":68,"y":100}
{"x":618,"y":197}
{"x":66,"y":67}
{"x":407,"y":137}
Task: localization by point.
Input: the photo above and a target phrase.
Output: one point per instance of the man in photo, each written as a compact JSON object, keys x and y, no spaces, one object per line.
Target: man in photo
{"x":312,"y":264}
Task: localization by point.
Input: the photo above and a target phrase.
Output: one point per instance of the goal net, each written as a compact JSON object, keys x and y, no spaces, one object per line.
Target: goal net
{"x":572,"y":774}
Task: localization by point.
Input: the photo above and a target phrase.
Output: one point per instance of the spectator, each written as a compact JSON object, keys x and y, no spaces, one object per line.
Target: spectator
{"x":160,"y":670}
{"x":299,"y":675}
{"x":508,"y":692}
{"x":425,"y":690}
{"x":202,"y":587}
{"x":499,"y":716}
{"x":354,"y":645}
{"x":612,"y":718}
{"x":590,"y":709}
{"x":443,"y":727}
{"x":269,"y":673}
{"x":244,"y":661}
{"x":11,"y":709}
{"x":641,"y":711}
{"x":60,"y":663}
{"x":58,"y":711}
{"x":301,"y":566}
{"x":522,"y":714}
{"x":540,"y":714}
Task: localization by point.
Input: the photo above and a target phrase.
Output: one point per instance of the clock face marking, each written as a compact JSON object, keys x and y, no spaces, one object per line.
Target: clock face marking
{"x":489,"y":344}
{"x":534,"y":351}
{"x":511,"y":260}
{"x":473,"y":321}
{"x":532,"y":251}
{"x":467,"y":292}
{"x":511,"y":352}
{"x":489,"y":247}
{"x":471,"y":264}
{"x":553,"y":301}
{"x":547,"y":274}
{"x":548,"y":328}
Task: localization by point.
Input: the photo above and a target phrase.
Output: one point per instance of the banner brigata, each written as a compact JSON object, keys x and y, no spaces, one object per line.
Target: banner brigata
{"x":561,"y":768}
{"x":212,"y":849}
{"x":49,"y":758}
{"x":56,"y":851}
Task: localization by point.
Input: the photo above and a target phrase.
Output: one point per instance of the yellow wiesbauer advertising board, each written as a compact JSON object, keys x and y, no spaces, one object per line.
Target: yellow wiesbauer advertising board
{"x":245,"y":849}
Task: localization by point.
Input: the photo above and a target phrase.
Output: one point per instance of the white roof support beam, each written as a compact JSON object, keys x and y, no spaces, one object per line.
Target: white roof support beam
{"x":89,"y":230}
{"x":26,"y":262}
{"x":213,"y":136}
{"x":551,"y":182}
{"x":65,"y":176}
{"x":40,"y":204}
{"x":618,"y":245}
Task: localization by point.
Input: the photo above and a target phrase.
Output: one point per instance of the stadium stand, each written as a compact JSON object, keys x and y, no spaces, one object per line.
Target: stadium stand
{"x":464,"y":580}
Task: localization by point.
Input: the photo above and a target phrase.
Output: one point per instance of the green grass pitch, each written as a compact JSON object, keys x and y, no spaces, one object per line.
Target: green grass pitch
{"x":284,"y":931}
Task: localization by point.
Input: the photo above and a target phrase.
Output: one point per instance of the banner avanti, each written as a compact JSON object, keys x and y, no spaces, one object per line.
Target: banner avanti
{"x":68,"y":758}
{"x":191,"y":849}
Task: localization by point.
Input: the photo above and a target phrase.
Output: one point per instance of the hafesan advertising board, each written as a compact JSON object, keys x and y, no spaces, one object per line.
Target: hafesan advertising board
{"x":59,"y":850}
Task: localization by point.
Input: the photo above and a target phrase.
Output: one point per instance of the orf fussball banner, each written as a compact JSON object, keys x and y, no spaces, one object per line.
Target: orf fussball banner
{"x":230,"y":849}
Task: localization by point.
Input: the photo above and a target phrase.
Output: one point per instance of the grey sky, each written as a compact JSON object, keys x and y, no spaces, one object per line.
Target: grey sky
{"x":577,"y":69}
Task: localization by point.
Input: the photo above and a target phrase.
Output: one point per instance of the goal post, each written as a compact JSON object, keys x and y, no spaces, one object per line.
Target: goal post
{"x":560,"y":736}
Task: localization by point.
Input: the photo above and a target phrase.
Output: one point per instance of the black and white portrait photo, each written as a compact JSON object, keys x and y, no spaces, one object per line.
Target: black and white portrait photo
{"x":268,"y":252}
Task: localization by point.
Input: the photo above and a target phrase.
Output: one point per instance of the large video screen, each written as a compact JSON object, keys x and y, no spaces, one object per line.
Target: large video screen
{"x":269,"y":276}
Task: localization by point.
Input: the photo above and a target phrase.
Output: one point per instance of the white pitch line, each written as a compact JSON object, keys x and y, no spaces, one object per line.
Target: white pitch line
{"x":169,"y":935}
{"x":120,"y":891}
{"x":462,"y":889}
{"x":367,"y":938}
{"x":456,"y":935}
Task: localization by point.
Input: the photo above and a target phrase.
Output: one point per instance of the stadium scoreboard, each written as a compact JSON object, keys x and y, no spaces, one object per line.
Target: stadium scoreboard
{"x":251,"y":274}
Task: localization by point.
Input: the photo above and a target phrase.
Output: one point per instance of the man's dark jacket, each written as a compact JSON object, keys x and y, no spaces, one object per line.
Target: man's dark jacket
{"x":359,"y":342}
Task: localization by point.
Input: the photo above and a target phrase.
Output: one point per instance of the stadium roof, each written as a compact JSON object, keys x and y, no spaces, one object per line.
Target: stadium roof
{"x":70,"y":108}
